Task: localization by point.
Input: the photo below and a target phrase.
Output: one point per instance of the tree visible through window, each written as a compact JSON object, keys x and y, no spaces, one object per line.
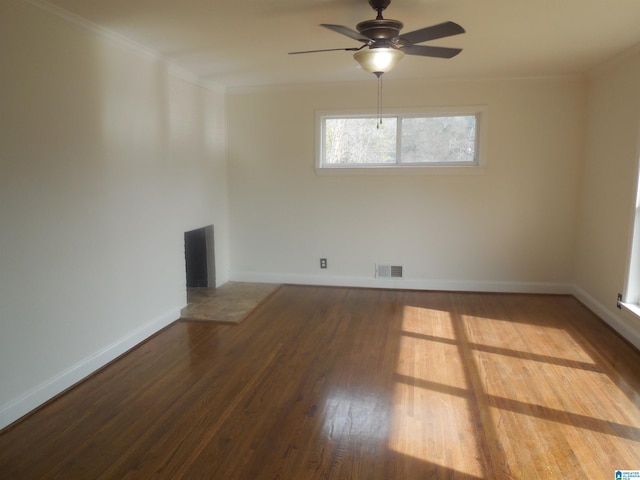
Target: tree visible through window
{"x":399,"y":140}
{"x":360,"y":141}
{"x":438,"y":139}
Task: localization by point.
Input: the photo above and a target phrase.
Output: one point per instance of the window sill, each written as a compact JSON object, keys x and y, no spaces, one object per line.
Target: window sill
{"x":396,"y":170}
{"x":632,"y":308}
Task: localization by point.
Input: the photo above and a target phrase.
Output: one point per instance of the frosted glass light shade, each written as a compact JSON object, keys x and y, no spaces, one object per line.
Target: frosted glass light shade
{"x":378,"y":60}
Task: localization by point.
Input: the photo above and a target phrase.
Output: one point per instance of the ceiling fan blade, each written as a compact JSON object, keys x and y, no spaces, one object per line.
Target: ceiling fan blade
{"x":429,"y":51}
{"x":353,"y":49}
{"x":446,"y":29}
{"x":346,"y":31}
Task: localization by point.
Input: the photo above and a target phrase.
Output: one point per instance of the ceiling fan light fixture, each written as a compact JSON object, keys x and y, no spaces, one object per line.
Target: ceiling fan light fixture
{"x":378,"y":60}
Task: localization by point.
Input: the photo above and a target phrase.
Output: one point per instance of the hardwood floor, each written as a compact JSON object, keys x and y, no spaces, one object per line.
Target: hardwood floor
{"x":340,"y":383}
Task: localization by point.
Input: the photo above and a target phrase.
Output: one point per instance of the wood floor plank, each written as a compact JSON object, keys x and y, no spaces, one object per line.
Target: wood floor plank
{"x":343,"y":383}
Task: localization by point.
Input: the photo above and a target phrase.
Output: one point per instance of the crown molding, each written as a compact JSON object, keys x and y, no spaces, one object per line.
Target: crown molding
{"x":614,"y":62}
{"x":96,"y":29}
{"x":124,"y":42}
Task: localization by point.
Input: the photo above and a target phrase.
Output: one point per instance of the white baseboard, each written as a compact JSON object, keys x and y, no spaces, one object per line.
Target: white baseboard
{"x":405,"y":283}
{"x":620,"y":321}
{"x":44,"y":392}
{"x":623,"y":321}
{"x":37,"y":396}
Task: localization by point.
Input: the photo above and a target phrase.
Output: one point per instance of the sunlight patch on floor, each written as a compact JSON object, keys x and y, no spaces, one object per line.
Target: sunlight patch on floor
{"x":431,"y":418}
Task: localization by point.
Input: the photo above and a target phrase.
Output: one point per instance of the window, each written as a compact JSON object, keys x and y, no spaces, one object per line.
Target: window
{"x":632,"y":291}
{"x":402,"y":142}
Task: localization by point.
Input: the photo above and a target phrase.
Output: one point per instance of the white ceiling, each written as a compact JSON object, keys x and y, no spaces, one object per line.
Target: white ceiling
{"x":245,"y":42}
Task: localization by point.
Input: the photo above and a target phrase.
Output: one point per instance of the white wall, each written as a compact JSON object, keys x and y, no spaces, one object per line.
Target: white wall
{"x":608,"y":191}
{"x":105,"y":160}
{"x":509,"y":229}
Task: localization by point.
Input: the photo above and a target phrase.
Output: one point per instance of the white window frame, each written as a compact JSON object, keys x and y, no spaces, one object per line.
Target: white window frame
{"x":631,"y":297}
{"x":427,"y":168}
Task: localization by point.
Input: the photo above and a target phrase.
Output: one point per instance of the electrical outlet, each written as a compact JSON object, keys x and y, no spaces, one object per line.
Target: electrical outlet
{"x":323,"y":263}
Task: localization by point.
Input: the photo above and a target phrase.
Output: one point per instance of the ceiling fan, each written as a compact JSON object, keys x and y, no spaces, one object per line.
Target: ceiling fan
{"x":386,"y":45}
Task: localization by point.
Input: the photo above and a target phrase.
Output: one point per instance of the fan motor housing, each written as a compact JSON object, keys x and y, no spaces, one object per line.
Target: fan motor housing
{"x":382,"y":29}
{"x":379,"y":4}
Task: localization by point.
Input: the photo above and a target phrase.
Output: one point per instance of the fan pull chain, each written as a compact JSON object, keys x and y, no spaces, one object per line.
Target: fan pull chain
{"x":379,"y":75}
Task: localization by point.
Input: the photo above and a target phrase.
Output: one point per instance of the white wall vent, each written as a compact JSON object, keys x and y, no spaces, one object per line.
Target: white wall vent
{"x":389,"y":271}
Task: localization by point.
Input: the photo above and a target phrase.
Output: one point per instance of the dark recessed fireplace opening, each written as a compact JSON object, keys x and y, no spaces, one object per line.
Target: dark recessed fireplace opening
{"x":200,"y":257}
